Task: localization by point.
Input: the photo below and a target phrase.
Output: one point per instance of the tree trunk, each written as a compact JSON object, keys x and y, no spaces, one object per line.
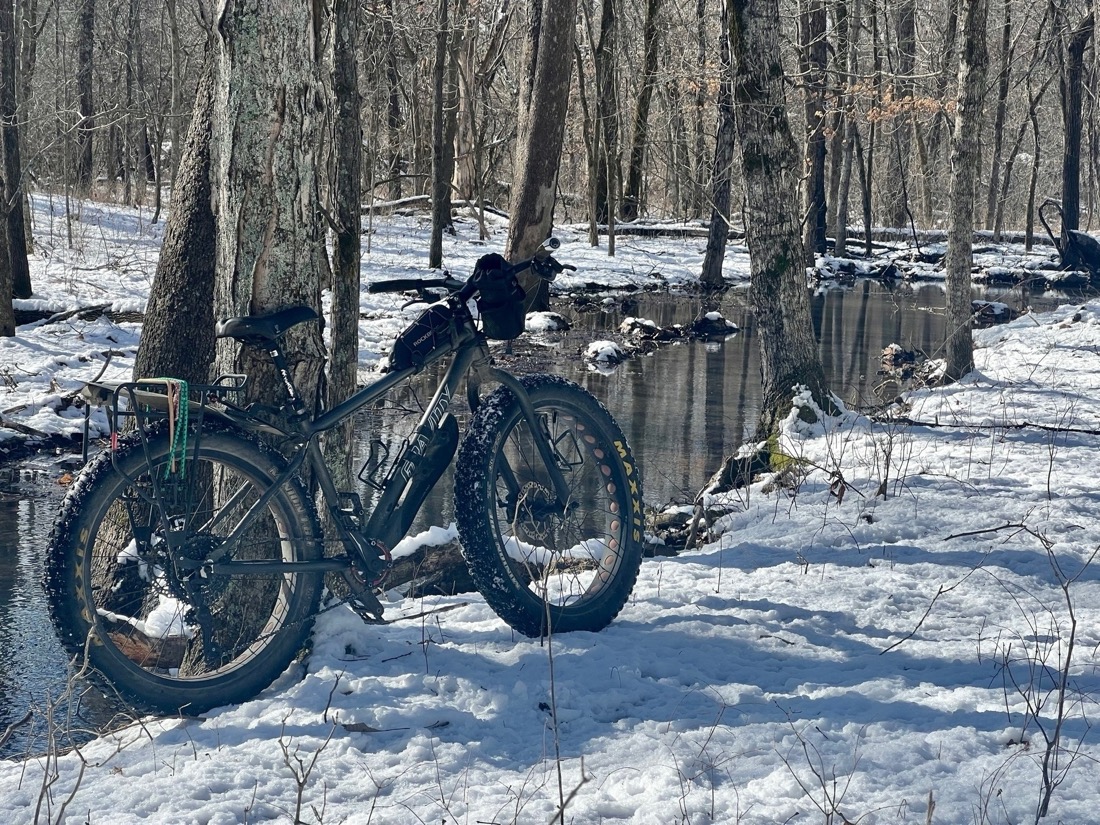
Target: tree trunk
{"x":347,"y":195}
{"x":895,"y":195}
{"x":1072,"y":88}
{"x":848,"y":127}
{"x":591,"y":147}
{"x":770,"y":166}
{"x":7,"y":312}
{"x":721,"y":183}
{"x":538,"y":153}
{"x":395,"y":159}
{"x":442,"y":154}
{"x":85,"y":45}
{"x":1003,"y":84}
{"x":177,"y":335}
{"x":269,"y":122}
{"x":812,"y":57}
{"x":965,"y":158}
{"x":11,"y":193}
{"x":632,"y":194}
{"x":608,"y":169}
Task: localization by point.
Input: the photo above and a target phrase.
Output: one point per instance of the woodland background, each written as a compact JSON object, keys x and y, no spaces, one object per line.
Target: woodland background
{"x":103,"y":91}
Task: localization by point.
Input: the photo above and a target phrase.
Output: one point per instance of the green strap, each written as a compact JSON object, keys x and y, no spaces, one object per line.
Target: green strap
{"x":178,"y":431}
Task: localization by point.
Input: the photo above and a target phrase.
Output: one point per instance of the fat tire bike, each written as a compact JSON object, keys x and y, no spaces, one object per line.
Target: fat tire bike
{"x":188,"y":559}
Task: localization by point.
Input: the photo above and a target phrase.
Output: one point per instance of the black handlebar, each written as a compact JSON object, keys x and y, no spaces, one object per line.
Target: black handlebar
{"x":543,"y":264}
{"x":416,"y":284}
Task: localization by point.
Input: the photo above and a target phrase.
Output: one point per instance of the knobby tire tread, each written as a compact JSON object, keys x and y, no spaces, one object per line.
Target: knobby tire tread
{"x":72,"y":614}
{"x":475,"y":501}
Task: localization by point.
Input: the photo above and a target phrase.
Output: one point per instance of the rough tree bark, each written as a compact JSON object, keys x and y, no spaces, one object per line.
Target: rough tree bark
{"x":965,"y":166}
{"x":269,"y":115}
{"x":770,"y":166}
{"x":177,"y":337}
{"x":347,"y":194}
{"x":539,"y":145}
{"x":895,"y":195}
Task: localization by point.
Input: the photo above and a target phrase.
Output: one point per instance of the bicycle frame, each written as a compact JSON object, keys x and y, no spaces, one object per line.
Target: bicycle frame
{"x":414,"y":471}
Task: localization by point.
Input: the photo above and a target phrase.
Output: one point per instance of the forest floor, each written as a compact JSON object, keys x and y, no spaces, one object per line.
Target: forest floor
{"x":903,"y":626}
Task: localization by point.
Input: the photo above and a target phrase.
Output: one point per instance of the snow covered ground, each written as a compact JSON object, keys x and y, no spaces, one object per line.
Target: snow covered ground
{"x":903,"y":626}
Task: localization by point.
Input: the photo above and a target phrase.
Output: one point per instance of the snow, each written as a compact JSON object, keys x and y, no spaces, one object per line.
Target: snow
{"x":879,"y":627}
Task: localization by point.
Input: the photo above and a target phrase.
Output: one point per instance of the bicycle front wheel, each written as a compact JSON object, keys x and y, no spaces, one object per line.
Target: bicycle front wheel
{"x":129,"y":577}
{"x":546,"y":565}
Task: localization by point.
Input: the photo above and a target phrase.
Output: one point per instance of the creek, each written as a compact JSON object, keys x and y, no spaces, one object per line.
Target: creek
{"x":683,"y":408}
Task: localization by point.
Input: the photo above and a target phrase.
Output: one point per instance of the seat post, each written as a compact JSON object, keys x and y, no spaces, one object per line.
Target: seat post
{"x":278,"y":359}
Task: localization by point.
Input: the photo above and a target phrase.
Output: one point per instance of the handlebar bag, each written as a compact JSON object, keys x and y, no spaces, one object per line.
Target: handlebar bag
{"x":500,"y":302}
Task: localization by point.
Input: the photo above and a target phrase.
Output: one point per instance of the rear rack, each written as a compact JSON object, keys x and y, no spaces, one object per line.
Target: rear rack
{"x":149,"y":400}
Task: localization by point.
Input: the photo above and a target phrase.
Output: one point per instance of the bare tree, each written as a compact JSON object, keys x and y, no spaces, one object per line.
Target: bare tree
{"x":608,"y":171}
{"x":1004,"y":78}
{"x":1072,"y":59}
{"x":770,"y":167}
{"x":539,"y":144}
{"x":347,"y":195}
{"x":632,"y":192}
{"x":11,"y":194}
{"x":268,"y":121}
{"x":721,"y":177}
{"x":177,"y":336}
{"x":442,"y":148}
{"x":849,"y":25}
{"x":812,"y":58}
{"x":85,"y":52}
{"x":895,"y":193}
{"x":965,"y":159}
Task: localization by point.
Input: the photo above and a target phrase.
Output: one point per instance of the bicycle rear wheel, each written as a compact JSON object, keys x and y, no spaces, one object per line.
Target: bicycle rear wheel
{"x":541,"y":566}
{"x":170,"y":635}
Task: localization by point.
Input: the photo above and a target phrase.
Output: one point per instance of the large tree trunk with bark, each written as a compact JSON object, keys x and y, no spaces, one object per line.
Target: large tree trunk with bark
{"x":539,"y":145}
{"x":269,"y":118}
{"x":770,"y":166}
{"x":177,"y":337}
{"x":965,"y":159}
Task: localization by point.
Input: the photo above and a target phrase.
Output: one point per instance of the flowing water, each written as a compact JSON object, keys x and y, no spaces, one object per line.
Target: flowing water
{"x":683,"y":407}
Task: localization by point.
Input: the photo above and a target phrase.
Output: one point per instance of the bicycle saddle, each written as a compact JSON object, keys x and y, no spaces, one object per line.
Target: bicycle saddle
{"x":266,"y":327}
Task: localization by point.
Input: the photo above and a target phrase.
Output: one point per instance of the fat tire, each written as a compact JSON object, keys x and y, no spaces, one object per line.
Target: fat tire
{"x":607,"y":511}
{"x":85,"y":625}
